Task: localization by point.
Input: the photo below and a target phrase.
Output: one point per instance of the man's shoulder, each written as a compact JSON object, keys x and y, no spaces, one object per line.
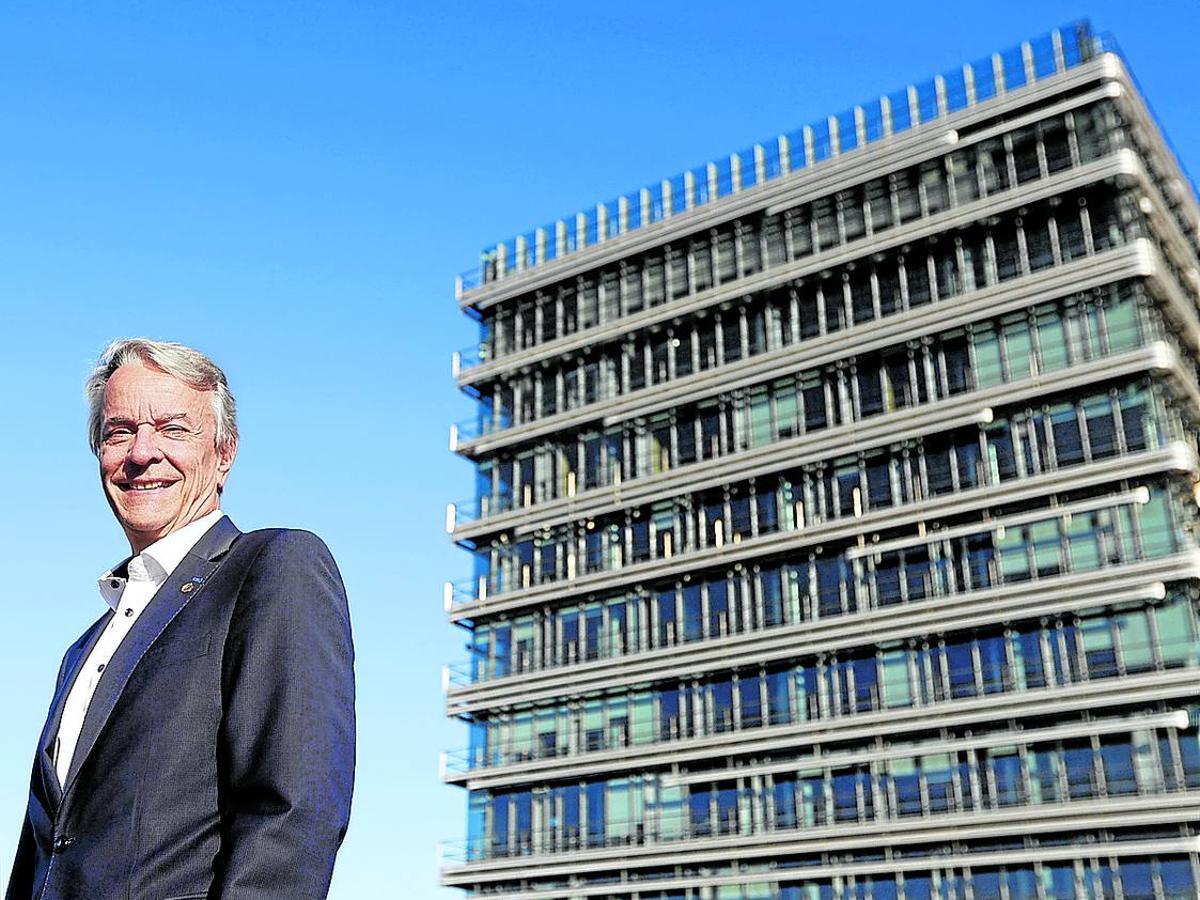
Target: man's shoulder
{"x":275,"y":553}
{"x":275,"y":542}
{"x":281,"y":570}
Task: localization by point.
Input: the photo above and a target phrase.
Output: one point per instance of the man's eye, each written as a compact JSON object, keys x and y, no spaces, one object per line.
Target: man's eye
{"x":118,"y":434}
{"x":174,"y":429}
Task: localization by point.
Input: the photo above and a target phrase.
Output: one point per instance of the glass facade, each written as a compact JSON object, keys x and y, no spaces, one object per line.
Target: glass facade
{"x":842,"y":542}
{"x":1000,"y":249}
{"x":641,"y":809}
{"x":1053,"y":651}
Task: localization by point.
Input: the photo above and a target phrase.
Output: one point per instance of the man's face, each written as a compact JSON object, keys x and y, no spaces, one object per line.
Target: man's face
{"x":159,"y":464}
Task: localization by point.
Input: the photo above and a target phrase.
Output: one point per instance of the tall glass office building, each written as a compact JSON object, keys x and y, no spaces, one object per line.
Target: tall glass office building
{"x":834,"y":530}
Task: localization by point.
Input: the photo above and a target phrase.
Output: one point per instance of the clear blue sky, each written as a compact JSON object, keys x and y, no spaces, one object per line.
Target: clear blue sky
{"x":292,"y":187}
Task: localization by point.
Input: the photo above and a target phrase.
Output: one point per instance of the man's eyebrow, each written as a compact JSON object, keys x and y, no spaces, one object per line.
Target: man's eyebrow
{"x":160,"y":420}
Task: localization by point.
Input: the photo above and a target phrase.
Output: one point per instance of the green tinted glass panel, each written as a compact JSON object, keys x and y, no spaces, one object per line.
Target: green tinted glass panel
{"x":1120,"y":320}
{"x":760,"y":418}
{"x":786,"y":407}
{"x":938,"y":768}
{"x":1014,"y":560}
{"x":1134,"y":629}
{"x":618,"y":814}
{"x":1155,"y":518}
{"x":1052,"y":340}
{"x":989,"y":369}
{"x":1019,"y":347}
{"x":1082,"y":540}
{"x":523,"y":732}
{"x":671,"y":817}
{"x":1097,"y":634}
{"x":896,"y":687}
{"x":1047,"y":550}
{"x":643,"y":718}
{"x":1176,"y":631}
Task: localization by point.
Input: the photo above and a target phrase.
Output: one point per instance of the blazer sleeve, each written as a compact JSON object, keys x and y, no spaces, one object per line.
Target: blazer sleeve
{"x":20,"y":881}
{"x":286,"y":749}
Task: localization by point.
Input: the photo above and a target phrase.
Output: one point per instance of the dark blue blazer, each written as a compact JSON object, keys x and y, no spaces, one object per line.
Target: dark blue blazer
{"x":216,"y":759}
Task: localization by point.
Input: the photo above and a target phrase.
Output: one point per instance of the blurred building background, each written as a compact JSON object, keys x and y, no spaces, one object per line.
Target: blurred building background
{"x":833,"y":531}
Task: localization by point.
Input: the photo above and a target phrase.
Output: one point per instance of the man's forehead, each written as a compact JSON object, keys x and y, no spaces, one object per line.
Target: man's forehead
{"x":135,"y":384}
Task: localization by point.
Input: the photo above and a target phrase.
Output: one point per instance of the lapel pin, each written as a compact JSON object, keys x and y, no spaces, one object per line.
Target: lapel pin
{"x":187,"y":587}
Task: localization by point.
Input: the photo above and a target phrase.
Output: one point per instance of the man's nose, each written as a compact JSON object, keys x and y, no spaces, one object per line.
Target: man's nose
{"x":144,"y":449}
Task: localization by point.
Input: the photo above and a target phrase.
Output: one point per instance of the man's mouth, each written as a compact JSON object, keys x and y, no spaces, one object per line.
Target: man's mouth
{"x":145,"y":485}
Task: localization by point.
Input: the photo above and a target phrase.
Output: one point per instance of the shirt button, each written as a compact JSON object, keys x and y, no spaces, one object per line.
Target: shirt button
{"x":129,"y":610}
{"x":100,"y":668}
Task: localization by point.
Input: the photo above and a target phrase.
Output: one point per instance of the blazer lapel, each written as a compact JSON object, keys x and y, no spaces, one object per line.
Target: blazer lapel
{"x":54,"y":719}
{"x":188,"y":580}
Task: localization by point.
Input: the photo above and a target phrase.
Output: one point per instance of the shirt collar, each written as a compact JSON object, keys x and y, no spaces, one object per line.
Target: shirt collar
{"x":157,"y":561}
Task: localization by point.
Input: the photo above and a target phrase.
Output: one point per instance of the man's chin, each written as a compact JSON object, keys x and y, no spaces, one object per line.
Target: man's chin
{"x":144,"y":530}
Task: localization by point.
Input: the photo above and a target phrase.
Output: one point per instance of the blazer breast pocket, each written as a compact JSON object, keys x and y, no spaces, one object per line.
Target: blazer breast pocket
{"x":177,"y":649}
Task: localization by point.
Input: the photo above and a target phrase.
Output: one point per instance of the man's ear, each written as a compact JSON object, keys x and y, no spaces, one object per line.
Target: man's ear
{"x":225,"y":457}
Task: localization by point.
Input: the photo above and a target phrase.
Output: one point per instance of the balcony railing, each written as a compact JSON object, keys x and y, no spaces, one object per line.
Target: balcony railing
{"x":496,"y":504}
{"x":900,"y":111}
{"x":511,"y":429}
{"x":836,"y":703}
{"x":1088,"y":792}
{"x":1010,"y":263}
{"x":518,"y":576}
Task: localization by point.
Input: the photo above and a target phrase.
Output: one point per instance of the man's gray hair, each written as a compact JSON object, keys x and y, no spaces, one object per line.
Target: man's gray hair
{"x":190,"y":366}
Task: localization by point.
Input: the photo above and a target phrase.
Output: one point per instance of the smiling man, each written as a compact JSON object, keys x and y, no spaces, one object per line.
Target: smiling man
{"x":200,"y":741}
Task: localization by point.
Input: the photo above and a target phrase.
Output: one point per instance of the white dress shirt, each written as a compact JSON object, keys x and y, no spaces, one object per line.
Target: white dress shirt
{"x":128,"y":597}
